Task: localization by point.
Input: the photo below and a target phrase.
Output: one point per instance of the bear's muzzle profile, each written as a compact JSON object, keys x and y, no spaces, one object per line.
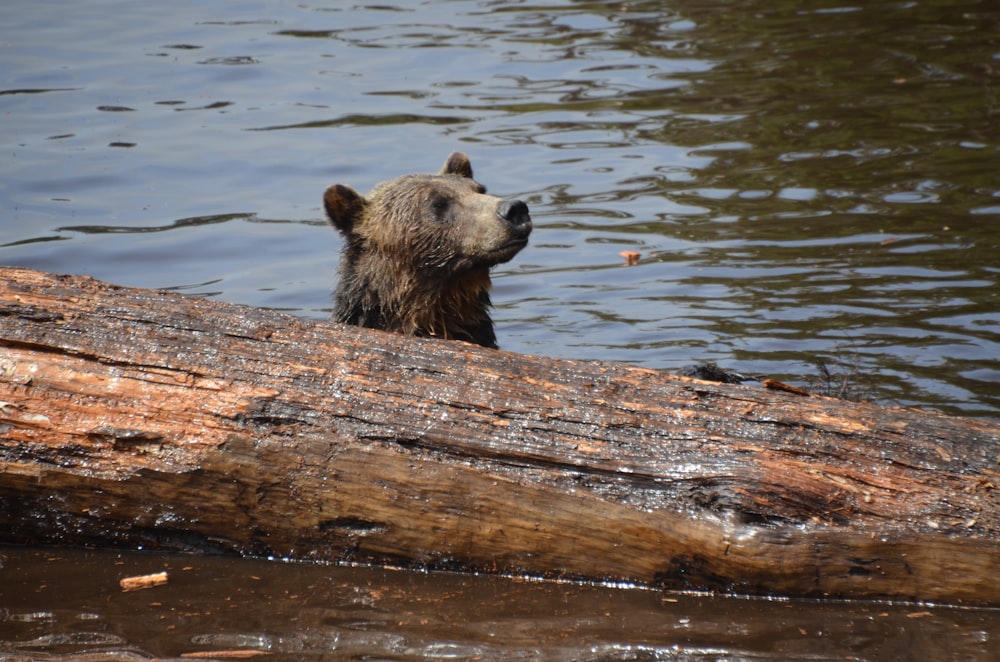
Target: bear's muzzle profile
{"x":515,"y":214}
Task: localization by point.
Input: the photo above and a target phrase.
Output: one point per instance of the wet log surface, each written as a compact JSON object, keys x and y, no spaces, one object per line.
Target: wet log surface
{"x":144,"y":418}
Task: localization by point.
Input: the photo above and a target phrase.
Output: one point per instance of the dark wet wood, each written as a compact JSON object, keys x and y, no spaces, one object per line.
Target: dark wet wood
{"x":143,"y":418}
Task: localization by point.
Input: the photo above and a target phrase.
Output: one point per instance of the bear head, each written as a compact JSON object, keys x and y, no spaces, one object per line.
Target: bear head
{"x":418,"y":250}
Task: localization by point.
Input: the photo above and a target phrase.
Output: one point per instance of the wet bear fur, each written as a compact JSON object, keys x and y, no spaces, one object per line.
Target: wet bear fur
{"x":418,"y":252}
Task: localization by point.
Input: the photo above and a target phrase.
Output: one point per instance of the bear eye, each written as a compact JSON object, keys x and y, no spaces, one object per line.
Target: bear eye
{"x":440,"y":205}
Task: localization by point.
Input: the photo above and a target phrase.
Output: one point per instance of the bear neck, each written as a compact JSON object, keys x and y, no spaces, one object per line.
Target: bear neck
{"x":455,"y":308}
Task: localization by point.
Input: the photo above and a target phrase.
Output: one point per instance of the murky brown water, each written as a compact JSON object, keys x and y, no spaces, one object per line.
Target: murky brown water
{"x":61,"y":604}
{"x":805,"y":182}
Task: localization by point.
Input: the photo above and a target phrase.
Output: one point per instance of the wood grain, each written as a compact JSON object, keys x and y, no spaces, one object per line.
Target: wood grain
{"x":141,"y":418}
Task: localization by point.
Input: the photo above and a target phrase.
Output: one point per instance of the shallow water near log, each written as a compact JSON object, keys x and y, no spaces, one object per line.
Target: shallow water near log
{"x":68,"y":605}
{"x":811,"y":189}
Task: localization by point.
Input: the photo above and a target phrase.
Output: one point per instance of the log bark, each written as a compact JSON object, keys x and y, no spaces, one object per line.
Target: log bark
{"x":141,"y":418}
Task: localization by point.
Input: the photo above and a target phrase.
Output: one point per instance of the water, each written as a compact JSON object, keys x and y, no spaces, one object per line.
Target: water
{"x":806,"y":182}
{"x":67,"y":605}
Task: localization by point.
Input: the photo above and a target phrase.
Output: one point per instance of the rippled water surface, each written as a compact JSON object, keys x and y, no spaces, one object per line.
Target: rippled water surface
{"x":806,"y":182}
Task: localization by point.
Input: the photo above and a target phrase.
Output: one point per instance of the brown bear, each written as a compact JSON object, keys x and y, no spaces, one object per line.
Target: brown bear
{"x":418,"y":251}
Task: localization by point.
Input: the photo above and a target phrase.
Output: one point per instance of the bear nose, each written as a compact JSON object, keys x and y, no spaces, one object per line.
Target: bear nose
{"x":515,"y":212}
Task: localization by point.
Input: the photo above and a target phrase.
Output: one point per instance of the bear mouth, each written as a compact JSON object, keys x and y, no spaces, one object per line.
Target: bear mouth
{"x":505,"y":251}
{"x":516,"y":244}
{"x":510,"y":248}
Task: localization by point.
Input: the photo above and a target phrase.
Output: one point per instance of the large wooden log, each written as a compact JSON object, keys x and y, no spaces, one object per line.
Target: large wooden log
{"x":149,"y":419}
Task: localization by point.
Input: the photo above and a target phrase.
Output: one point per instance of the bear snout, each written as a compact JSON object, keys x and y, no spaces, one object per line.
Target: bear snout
{"x":515,"y":213}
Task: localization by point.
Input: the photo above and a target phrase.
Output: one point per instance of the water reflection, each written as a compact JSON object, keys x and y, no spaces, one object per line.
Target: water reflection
{"x":810,"y":139}
{"x":224,"y":607}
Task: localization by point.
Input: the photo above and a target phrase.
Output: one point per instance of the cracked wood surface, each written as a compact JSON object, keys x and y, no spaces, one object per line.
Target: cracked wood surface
{"x":143,"y":418}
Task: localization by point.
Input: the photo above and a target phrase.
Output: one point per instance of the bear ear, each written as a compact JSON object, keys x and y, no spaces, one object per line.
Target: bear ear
{"x":457,"y":164}
{"x":344,"y":206}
